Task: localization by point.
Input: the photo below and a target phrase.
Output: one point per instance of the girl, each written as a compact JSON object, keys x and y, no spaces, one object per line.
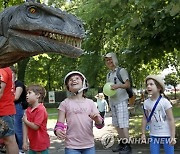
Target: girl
{"x":79,"y":113}
{"x":158,"y":117}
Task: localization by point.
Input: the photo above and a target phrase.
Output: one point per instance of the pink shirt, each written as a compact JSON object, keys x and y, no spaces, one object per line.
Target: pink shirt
{"x":79,"y":134}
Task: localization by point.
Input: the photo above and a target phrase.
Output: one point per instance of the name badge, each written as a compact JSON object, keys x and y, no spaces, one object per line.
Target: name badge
{"x":147,"y":127}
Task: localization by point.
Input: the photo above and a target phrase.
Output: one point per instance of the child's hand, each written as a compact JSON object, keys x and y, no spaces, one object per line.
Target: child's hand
{"x":173,"y":141}
{"x":96,"y":117}
{"x":143,"y":138}
{"x":25,"y":146}
{"x":61,"y":134}
{"x":24,"y":118}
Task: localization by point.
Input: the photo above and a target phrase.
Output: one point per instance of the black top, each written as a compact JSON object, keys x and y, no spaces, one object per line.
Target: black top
{"x":22,"y":97}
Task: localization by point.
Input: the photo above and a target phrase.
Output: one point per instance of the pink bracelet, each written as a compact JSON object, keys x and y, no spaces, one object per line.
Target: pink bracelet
{"x":99,"y":126}
{"x":59,"y":125}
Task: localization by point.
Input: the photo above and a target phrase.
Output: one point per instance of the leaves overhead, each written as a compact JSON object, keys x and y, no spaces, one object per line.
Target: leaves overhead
{"x":145,"y":34}
{"x":142,"y":29}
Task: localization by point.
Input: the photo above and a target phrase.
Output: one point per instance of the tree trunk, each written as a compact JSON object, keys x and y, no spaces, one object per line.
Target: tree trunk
{"x":22,"y":69}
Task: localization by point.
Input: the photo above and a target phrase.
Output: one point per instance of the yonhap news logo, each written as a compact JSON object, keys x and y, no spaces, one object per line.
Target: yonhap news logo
{"x":107,"y":140}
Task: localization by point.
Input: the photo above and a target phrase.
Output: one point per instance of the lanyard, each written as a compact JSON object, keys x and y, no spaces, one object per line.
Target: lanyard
{"x":150,"y":116}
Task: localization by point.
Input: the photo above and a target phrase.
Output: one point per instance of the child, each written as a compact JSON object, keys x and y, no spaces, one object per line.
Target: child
{"x":161,"y":123}
{"x":79,"y":113}
{"x":20,"y":97}
{"x":35,"y":122}
{"x":101,"y":104}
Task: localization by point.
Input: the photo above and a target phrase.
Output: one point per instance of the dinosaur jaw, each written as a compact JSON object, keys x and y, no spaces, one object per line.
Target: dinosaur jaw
{"x":47,"y":42}
{"x":70,"y":40}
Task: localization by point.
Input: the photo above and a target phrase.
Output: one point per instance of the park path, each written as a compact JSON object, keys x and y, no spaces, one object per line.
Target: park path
{"x":57,"y":146}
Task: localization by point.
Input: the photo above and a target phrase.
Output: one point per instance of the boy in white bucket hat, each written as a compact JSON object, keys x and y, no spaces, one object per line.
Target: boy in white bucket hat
{"x":119,"y":102}
{"x":158,"y":117}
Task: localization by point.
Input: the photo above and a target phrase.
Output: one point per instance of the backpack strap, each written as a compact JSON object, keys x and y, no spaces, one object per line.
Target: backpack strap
{"x":119,"y":75}
{"x":108,"y":76}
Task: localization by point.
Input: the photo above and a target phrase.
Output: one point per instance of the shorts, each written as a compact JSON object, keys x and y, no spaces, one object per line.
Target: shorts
{"x":120,"y":115}
{"x":10,"y":122}
{"x":35,"y":152}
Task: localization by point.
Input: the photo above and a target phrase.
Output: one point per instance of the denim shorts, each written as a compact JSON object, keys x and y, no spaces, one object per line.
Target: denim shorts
{"x":80,"y":151}
{"x":10,"y":122}
{"x":35,"y":152}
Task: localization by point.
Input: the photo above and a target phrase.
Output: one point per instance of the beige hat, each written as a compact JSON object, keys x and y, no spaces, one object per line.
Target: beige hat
{"x":158,"y":79}
{"x":113,"y":56}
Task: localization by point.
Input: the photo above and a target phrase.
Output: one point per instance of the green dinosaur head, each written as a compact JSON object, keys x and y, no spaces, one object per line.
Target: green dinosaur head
{"x":33,"y":28}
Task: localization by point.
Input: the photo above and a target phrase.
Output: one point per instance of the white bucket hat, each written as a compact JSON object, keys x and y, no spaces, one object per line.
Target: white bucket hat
{"x":113,"y":56}
{"x":158,"y":79}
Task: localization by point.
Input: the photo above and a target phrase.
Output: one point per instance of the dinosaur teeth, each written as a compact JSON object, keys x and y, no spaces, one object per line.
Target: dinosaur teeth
{"x":62,"y":38}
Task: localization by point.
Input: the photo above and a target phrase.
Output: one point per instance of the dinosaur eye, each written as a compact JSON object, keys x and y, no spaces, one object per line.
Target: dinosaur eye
{"x":33,"y":12}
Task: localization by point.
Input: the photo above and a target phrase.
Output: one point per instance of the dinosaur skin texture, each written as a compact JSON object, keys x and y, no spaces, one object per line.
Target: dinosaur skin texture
{"x":33,"y":28}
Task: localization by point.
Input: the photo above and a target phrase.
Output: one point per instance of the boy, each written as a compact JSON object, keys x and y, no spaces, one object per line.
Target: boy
{"x":35,"y":122}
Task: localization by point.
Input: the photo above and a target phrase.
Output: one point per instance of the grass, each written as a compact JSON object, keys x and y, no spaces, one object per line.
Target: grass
{"x":176,"y":111}
{"x":52,"y":113}
{"x":52,"y":110}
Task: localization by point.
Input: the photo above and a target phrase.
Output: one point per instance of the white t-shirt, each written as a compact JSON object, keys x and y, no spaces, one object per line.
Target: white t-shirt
{"x":159,"y":123}
{"x":79,"y":134}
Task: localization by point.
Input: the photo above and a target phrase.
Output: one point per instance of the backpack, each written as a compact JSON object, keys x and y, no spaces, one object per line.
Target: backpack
{"x":128,"y":90}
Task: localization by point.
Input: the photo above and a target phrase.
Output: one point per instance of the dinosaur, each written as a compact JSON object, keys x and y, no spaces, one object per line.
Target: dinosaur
{"x":33,"y":28}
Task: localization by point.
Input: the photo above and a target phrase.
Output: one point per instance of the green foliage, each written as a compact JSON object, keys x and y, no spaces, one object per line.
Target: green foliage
{"x":49,"y":70}
{"x":172,"y":79}
{"x":140,"y":32}
{"x":172,"y":59}
{"x":144,"y":34}
{"x":151,"y":28}
{"x":8,"y":3}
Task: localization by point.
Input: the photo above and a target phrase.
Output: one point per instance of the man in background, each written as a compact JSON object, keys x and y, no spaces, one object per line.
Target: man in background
{"x":119,"y":102}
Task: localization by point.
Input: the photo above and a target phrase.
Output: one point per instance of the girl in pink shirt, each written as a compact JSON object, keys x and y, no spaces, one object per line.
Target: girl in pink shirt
{"x":79,"y":113}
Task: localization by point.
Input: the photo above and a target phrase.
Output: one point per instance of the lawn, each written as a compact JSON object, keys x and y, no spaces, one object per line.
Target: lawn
{"x":52,"y":110}
{"x":52,"y":113}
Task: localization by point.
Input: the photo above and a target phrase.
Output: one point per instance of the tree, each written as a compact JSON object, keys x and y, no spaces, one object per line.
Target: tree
{"x":172,"y":59}
{"x":173,"y":80}
{"x":144,"y":34}
{"x":138,"y":31}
